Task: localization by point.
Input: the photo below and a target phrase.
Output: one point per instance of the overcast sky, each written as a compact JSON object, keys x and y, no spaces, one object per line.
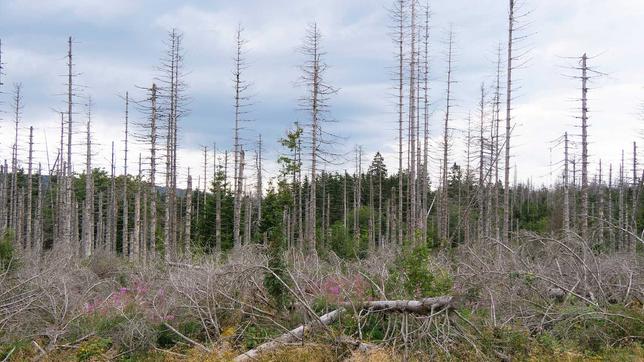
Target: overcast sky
{"x":118,"y":43}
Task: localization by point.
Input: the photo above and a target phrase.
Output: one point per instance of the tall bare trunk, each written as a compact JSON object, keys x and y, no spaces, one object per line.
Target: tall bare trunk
{"x":188,"y":220}
{"x":29,"y":208}
{"x":508,"y":121}
{"x":125,"y":242}
{"x":584,"y":149}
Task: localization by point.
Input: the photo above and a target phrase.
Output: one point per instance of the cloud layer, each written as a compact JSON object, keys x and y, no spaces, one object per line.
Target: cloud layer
{"x":118,"y":44}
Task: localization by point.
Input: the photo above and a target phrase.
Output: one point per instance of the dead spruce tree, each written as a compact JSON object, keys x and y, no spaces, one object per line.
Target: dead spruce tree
{"x":67,"y":205}
{"x":397,"y":13}
{"x":444,"y":204}
{"x":125,"y":241}
{"x":172,"y":109}
{"x":29,"y":201}
{"x":508,"y":109}
{"x":17,"y":116}
{"x":241,"y":103}
{"x":425,"y":176}
{"x":88,"y":211}
{"x":584,"y":148}
{"x":188,"y":213}
{"x":411,"y":183}
{"x":315,"y":103}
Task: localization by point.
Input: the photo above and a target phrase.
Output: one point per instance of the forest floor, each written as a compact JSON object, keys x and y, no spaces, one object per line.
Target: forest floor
{"x":538,"y":299}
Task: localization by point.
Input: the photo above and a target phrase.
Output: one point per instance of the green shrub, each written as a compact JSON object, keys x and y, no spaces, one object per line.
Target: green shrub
{"x":92,"y":348}
{"x":7,"y":252}
{"x":411,"y":273}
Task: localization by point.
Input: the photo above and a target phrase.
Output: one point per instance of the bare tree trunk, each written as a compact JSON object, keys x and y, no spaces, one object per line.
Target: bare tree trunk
{"x":113,"y":207}
{"x":153,"y":170}
{"x":259,"y":187}
{"x":497,"y":148}
{"x":398,"y":14}
{"x":634,"y":198}
{"x":218,"y":219}
{"x":344,"y":199}
{"x":38,"y":225}
{"x":125,"y":242}
{"x":566,"y":206}
{"x":600,"y":204}
{"x":358,"y":194}
{"x":14,"y":219}
{"x":411,"y":184}
{"x":88,"y":216}
{"x":29,"y":209}
{"x":240,"y":87}
{"x":372,"y":232}
{"x":621,"y":207}
{"x":482,"y":189}
{"x":444,"y":219}
{"x":67,"y":213}
{"x":508,"y":120}
{"x":239,"y":177}
{"x":425,"y":176}
{"x":188,"y":213}
{"x":135,"y":249}
{"x":248,"y":220}
{"x":584,"y":150}
{"x":3,"y":198}
{"x":611,"y":233}
{"x":100,"y":225}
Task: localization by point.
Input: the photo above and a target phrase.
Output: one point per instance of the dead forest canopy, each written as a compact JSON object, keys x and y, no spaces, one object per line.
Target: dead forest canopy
{"x":310,"y":263}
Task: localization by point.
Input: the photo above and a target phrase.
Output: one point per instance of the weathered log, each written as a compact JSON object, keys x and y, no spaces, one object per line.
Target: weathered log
{"x":422,"y":306}
{"x":291,"y":336}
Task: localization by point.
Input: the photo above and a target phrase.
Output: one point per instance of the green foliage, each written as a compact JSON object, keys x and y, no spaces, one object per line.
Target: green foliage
{"x":274,"y":281}
{"x":410,"y":276}
{"x":596,"y":331}
{"x":342,"y":242}
{"x":255,"y":335}
{"x":94,"y":347}
{"x":7,"y":252}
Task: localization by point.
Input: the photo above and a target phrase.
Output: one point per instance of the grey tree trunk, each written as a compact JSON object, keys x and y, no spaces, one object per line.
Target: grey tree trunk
{"x":29,"y":208}
{"x":584,"y":149}
{"x":508,"y":120}
{"x":125,"y":242}
{"x":188,"y":217}
{"x":88,"y":214}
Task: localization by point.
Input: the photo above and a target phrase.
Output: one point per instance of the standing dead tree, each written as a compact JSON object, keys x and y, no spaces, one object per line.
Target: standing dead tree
{"x":172,"y":88}
{"x":241,"y":103}
{"x":88,"y":211}
{"x":444,"y":204}
{"x":315,"y":103}
{"x":125,"y":241}
{"x":17,"y":116}
{"x":584,"y":148}
{"x":508,"y":109}
{"x":397,"y":14}
{"x":411,"y":184}
{"x":566,"y":191}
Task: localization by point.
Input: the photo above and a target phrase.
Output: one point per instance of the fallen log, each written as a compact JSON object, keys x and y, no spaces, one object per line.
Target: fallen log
{"x":291,"y":336}
{"x":422,"y":306}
